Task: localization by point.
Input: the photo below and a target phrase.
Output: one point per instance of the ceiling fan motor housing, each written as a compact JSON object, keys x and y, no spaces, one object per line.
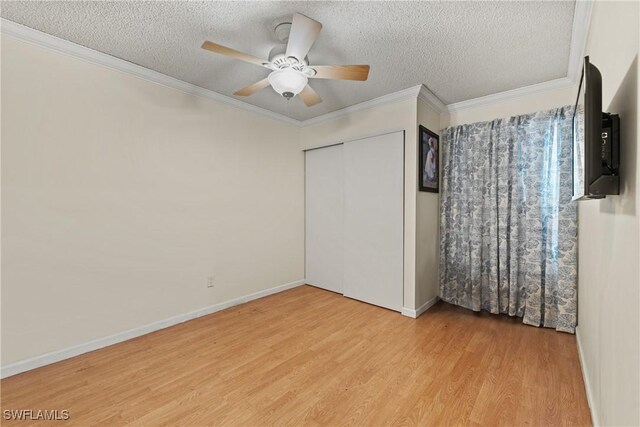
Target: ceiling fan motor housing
{"x":278,"y":58}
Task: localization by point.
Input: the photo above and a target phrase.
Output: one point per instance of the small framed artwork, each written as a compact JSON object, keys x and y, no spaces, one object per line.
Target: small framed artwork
{"x":429,"y":172}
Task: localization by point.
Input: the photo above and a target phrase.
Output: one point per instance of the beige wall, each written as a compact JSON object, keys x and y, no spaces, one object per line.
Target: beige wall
{"x":120,"y":197}
{"x":427,"y":223}
{"x":386,"y":118}
{"x":609,"y":306}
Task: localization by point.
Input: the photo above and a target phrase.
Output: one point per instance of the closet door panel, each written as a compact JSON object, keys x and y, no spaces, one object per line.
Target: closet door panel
{"x":324,"y":205}
{"x":374,"y":220}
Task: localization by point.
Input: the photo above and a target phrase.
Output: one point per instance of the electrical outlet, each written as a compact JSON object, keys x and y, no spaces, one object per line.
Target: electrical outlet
{"x":211,"y":281}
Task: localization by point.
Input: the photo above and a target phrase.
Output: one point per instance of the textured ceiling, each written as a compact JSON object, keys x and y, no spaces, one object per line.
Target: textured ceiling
{"x":459,"y":50}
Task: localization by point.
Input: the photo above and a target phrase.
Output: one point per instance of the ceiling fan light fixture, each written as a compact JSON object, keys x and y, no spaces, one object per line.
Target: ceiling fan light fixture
{"x":287,"y":82}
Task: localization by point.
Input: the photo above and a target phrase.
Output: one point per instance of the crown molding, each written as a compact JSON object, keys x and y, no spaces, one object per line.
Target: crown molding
{"x":580,"y":29}
{"x":401,"y":95}
{"x":416,"y":92}
{"x":29,"y":35}
{"x":579,"y":34}
{"x":428,"y":97}
{"x":556,"y":84}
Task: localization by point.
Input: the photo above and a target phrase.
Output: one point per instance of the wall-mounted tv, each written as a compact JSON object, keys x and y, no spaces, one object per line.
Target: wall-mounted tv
{"x":596,"y":141}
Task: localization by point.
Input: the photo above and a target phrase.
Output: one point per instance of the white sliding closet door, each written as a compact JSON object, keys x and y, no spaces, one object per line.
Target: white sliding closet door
{"x":374,"y":220}
{"x":324,"y":207}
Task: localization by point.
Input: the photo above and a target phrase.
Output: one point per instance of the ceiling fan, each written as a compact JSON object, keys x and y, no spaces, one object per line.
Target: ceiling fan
{"x":289,"y":63}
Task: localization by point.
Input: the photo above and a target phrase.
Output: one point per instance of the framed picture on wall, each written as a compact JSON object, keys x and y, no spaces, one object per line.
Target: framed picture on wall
{"x":429,"y":171}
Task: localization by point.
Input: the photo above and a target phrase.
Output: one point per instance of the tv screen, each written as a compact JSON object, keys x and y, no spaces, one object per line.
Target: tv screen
{"x":579,"y":186}
{"x":595,"y":140}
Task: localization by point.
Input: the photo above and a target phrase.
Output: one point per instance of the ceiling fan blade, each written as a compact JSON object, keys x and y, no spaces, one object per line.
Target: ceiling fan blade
{"x":251,"y":89}
{"x":303,"y":34}
{"x":341,"y":72}
{"x":309,"y":96}
{"x":223,"y":50}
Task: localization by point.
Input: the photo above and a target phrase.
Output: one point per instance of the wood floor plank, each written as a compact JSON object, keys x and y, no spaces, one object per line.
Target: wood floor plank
{"x":308,"y":357}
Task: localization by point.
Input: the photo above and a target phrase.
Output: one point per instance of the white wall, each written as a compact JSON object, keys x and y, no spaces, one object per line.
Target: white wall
{"x":427,"y":222}
{"x":381,"y":119}
{"x":120,"y":197}
{"x":609,"y":306}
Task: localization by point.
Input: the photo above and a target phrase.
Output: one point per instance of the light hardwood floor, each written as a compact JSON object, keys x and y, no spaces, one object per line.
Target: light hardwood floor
{"x":312,"y":357}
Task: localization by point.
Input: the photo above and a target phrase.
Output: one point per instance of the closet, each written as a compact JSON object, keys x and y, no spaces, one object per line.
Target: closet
{"x":355,"y":219}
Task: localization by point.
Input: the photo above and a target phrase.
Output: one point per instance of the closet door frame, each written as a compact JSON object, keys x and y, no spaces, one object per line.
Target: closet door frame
{"x":390,"y":298}
{"x":325,"y":272}
{"x":404,"y":195}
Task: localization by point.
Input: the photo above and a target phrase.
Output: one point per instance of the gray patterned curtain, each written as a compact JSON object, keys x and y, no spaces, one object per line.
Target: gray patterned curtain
{"x":508,"y":225}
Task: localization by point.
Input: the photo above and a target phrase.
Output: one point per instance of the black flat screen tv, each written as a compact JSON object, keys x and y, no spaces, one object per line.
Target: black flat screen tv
{"x":596,"y":155}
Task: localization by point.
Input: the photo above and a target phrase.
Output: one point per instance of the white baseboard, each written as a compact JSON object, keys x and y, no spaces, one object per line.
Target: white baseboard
{"x":595,"y":420}
{"x":58,"y":355}
{"x":409,"y":312}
